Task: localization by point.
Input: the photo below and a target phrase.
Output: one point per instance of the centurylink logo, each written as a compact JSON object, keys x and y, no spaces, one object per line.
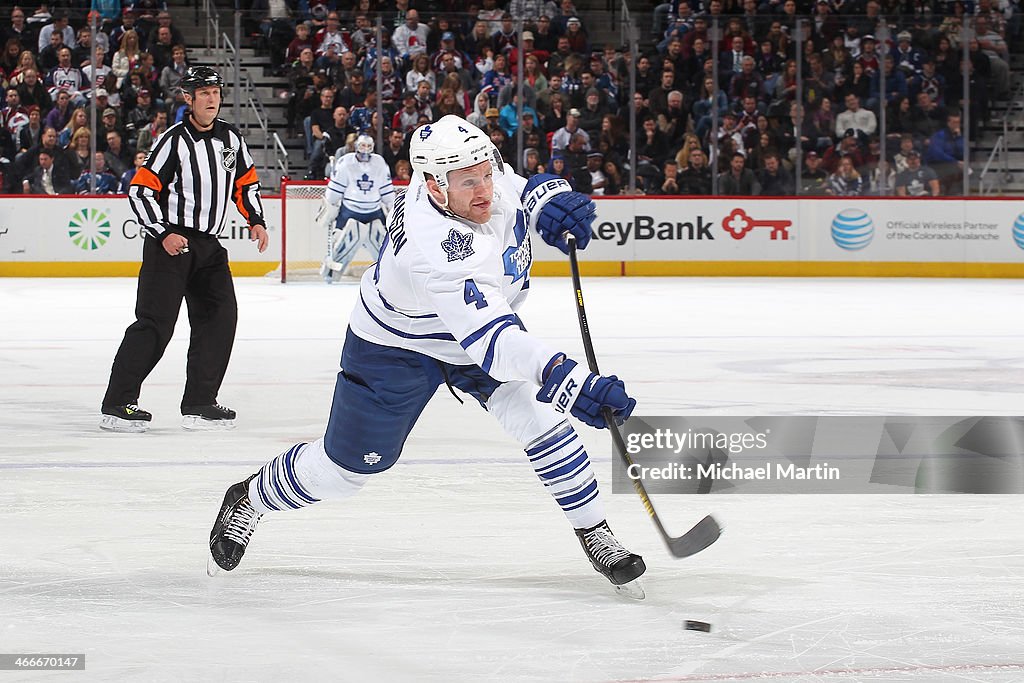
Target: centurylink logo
{"x":89,"y":229}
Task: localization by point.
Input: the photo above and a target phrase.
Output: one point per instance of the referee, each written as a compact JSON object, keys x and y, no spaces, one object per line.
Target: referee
{"x":180,"y":196}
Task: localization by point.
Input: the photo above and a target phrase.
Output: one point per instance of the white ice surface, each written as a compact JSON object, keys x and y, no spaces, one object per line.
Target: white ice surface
{"x":456,"y":565}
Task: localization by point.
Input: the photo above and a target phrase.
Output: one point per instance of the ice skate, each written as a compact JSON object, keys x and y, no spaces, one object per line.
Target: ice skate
{"x":612,"y":560}
{"x":236,"y":522}
{"x":211,"y":417}
{"x":125,"y":418}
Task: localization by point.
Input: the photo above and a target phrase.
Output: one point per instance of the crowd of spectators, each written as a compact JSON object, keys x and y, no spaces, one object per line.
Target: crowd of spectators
{"x":753,"y":135}
{"x":751,"y":132}
{"x":53,"y":69}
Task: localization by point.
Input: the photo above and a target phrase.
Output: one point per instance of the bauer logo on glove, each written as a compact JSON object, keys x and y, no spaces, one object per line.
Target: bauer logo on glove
{"x":553,"y":209}
{"x":585,"y":394}
{"x":565,"y":397}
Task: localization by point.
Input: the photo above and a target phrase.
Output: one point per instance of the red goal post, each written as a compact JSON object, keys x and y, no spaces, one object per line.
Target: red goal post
{"x":303,"y":243}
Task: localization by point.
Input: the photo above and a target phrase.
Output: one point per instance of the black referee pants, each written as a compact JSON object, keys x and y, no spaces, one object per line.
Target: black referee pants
{"x":203,"y":279}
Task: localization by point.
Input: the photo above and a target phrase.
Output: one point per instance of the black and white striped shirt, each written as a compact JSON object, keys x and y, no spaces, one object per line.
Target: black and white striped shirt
{"x":191,"y":177}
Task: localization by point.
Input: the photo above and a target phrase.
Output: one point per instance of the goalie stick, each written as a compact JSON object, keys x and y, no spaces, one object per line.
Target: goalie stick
{"x":703,"y":533}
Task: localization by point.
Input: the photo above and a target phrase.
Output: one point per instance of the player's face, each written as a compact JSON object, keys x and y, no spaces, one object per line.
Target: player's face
{"x":471,"y":192}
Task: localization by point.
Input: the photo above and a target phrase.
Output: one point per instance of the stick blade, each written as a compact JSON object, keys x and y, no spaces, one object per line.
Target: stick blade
{"x":704,"y":533}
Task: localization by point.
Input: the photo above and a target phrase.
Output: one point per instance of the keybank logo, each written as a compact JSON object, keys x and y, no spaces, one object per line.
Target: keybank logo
{"x":738,"y":224}
{"x":852,"y":229}
{"x":1018,"y":231}
{"x":89,"y":229}
{"x":643,"y":228}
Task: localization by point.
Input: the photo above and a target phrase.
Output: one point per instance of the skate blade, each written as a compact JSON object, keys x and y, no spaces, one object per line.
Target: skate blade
{"x":212,"y":568}
{"x":117,"y":424}
{"x":633,"y":590}
{"x":194,"y":423}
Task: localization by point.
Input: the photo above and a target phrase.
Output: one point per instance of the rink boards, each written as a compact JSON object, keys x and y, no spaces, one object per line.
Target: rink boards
{"x":99,"y":236}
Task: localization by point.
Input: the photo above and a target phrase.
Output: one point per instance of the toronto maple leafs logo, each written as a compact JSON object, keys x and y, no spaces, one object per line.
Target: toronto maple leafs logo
{"x":458,"y":246}
{"x":364,"y":183}
{"x":227,"y":158}
{"x":517,"y":259}
{"x":425,"y":132}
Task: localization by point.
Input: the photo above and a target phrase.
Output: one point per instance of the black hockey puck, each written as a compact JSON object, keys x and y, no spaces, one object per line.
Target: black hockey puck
{"x":691,"y":625}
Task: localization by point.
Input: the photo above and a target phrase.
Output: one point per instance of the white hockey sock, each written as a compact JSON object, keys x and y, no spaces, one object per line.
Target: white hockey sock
{"x":301,"y":476}
{"x":561,"y":461}
{"x":555,"y":451}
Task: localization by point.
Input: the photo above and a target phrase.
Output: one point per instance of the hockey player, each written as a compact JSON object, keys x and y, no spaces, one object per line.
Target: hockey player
{"x":360,"y":189}
{"x":439,"y":307}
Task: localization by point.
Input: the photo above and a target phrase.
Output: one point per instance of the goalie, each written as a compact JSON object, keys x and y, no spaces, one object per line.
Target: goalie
{"x":355,"y":208}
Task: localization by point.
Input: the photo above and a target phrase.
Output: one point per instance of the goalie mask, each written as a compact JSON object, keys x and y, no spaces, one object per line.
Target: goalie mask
{"x":364,"y":147}
{"x":450,"y":144}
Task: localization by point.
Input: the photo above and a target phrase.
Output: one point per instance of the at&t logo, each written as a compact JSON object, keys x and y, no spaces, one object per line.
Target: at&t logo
{"x":852,"y":229}
{"x":1018,"y":231}
{"x":89,"y":229}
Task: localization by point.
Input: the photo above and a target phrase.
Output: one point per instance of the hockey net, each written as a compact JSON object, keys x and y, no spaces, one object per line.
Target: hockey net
{"x":303,"y":242}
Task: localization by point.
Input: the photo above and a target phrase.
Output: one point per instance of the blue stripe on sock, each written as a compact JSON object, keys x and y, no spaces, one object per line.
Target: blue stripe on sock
{"x":289,"y":469}
{"x":287,"y":478}
{"x":563,"y":445}
{"x":263,"y":492}
{"x":574,"y":489}
{"x":547,"y":471}
{"x":285,"y":485}
{"x":583,"y":497}
{"x":556,"y":483}
{"x":553,"y":446}
{"x":580,"y":459}
{"x":546,"y":440}
{"x":275,"y":482}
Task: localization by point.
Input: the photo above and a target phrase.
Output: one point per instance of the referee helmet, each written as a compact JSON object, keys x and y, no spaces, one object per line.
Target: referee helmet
{"x":200,"y":77}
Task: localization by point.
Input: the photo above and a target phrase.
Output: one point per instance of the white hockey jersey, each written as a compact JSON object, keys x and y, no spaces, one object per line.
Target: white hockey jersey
{"x":361,"y":187}
{"x":450,"y":289}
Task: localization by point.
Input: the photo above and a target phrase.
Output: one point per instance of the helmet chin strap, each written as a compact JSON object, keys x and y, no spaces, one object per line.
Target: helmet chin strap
{"x":443,"y":189}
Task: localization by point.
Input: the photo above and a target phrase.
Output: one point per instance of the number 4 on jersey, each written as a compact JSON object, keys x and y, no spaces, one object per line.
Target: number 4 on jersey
{"x":473,"y":295}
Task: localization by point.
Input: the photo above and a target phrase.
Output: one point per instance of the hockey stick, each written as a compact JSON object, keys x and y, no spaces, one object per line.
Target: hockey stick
{"x":706,"y":531}
{"x":329,"y":264}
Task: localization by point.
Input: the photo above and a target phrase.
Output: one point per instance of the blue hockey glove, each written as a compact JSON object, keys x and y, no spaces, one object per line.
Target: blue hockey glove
{"x":553,"y":209}
{"x":570,"y":386}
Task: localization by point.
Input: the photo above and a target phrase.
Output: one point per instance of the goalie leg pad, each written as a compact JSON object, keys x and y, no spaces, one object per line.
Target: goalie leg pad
{"x":374,"y":236}
{"x":344,"y":245}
